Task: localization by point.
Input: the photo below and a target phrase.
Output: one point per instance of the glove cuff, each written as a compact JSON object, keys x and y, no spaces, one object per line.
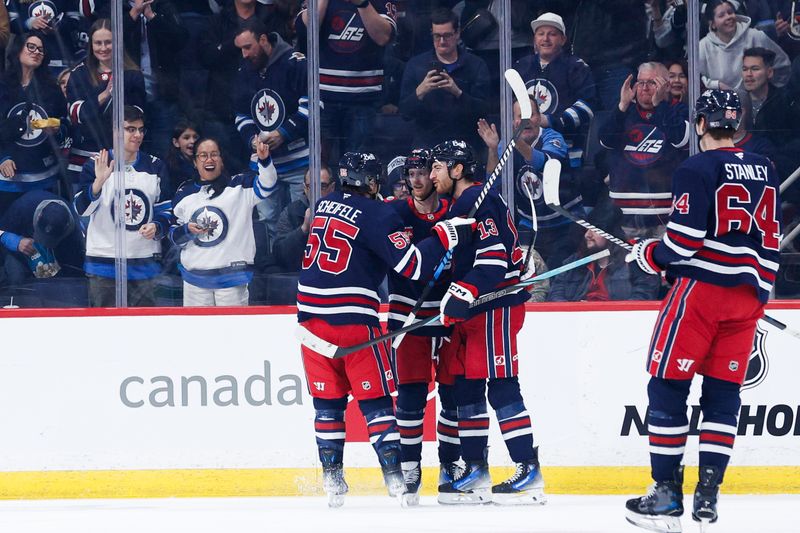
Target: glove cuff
{"x":463,"y":291}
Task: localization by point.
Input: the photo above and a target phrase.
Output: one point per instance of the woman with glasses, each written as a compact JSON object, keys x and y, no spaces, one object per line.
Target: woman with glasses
{"x":214,"y":226}
{"x":31,"y":106}
{"x":89,"y":92}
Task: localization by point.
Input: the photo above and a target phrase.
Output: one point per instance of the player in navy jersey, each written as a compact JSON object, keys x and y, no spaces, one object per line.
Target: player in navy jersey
{"x":419,"y":350}
{"x":353,"y":242}
{"x":721,"y":249}
{"x":483,"y":344}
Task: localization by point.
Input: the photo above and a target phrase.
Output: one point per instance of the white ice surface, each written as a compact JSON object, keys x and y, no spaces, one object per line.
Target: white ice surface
{"x":563,"y":514}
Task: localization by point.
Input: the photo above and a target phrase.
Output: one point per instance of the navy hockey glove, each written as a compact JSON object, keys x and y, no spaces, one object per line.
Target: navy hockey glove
{"x":455,"y":304}
{"x":642,"y":253}
{"x":453,"y":231}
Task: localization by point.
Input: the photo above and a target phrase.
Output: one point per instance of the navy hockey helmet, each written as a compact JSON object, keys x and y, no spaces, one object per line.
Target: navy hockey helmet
{"x":454,"y":152}
{"x":418,"y":158}
{"x":721,"y":109}
{"x":359,"y":170}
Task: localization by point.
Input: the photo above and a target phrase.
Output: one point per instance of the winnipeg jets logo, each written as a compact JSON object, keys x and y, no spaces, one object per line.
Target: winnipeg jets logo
{"x":45,"y":10}
{"x":528,"y":185}
{"x":758,"y":364}
{"x":31,"y":137}
{"x":267,"y":109}
{"x":645,"y":144}
{"x":545,"y":94}
{"x":214,"y":226}
{"x":346,"y":32}
{"x":137,"y":209}
{"x":740,"y":155}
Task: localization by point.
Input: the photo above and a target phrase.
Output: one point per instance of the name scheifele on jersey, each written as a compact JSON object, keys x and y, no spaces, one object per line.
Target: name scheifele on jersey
{"x":725,"y":224}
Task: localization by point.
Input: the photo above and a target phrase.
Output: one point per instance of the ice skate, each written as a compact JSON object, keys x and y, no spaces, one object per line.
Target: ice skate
{"x":525,"y":487}
{"x":389,"y":458}
{"x":412,"y":474}
{"x":449,"y":472}
{"x":472,"y":487}
{"x":333,"y":482}
{"x":661,"y":508}
{"x":705,"y":497}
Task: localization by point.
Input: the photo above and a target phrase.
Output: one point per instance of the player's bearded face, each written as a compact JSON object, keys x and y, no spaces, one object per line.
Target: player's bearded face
{"x":440,"y":175}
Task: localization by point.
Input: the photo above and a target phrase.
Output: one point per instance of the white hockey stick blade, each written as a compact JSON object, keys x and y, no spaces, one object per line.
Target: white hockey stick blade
{"x":309,"y":340}
{"x":550,"y":180}
{"x":514,"y":81}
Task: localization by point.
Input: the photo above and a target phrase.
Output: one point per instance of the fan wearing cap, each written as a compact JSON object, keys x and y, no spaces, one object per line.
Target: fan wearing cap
{"x":39,"y":238}
{"x":561,"y":83}
{"x":721,"y":251}
{"x":609,"y":278}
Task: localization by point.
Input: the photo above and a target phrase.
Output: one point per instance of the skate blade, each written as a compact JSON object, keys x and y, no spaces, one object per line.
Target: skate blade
{"x":474,"y":497}
{"x":660,"y":523}
{"x":335,"y":500}
{"x":409,"y":499}
{"x":704,"y":525}
{"x":529,"y":497}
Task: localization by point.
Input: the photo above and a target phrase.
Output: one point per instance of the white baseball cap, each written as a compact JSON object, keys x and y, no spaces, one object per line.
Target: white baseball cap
{"x":549,"y":19}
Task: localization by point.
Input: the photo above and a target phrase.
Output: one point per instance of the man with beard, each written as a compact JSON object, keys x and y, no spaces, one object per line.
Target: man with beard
{"x":271,"y":100}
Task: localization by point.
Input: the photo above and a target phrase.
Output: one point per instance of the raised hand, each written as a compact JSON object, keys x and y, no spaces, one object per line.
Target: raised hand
{"x":626,"y":94}
{"x":102,"y":171}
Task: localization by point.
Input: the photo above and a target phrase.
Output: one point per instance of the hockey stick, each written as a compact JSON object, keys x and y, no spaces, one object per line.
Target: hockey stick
{"x":551,"y":177}
{"x":514,"y":80}
{"x":534,"y":226}
{"x":331,"y":351}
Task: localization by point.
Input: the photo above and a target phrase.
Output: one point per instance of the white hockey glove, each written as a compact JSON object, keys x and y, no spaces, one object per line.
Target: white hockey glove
{"x":455,"y":304}
{"x":642,"y":253}
{"x":450,"y":232}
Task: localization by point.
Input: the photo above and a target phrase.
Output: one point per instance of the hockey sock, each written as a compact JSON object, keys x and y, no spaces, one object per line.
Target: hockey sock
{"x":473,"y":418}
{"x":329,"y":425}
{"x":381,"y":423}
{"x":447,"y":426}
{"x":411,"y":400}
{"x":515,"y":424}
{"x":668,"y":425}
{"x":720,"y":403}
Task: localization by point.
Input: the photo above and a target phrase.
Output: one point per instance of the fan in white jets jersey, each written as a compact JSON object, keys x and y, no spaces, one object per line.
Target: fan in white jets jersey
{"x":147,"y":215}
{"x":214,"y":226}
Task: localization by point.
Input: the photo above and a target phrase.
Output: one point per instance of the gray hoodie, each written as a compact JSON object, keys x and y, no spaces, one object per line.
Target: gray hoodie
{"x":722,"y":62}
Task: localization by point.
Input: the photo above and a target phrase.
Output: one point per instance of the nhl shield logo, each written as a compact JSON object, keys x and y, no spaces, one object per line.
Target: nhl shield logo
{"x":545,"y":94}
{"x":758,"y":364}
{"x":267,"y":109}
{"x":214,"y":224}
{"x":137,"y":209}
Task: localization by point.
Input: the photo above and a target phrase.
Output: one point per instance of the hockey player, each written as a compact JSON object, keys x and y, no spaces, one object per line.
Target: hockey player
{"x":147,"y":218}
{"x":420,"y":348}
{"x":353,"y":242}
{"x":214,"y":226}
{"x":483,"y":344}
{"x":721,"y":249}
